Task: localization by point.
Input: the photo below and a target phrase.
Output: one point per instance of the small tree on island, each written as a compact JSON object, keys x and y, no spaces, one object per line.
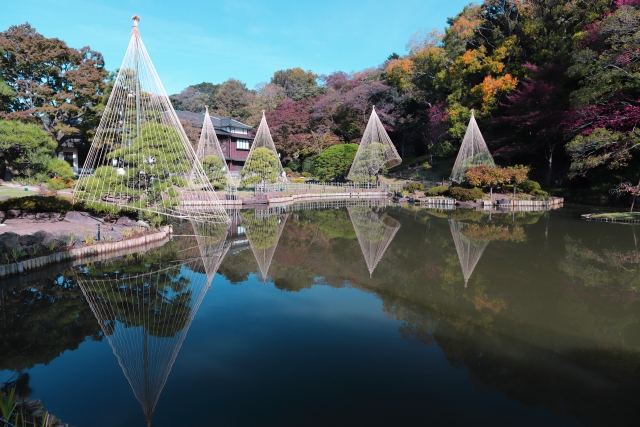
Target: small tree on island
{"x":261,"y":166}
{"x":485,"y":176}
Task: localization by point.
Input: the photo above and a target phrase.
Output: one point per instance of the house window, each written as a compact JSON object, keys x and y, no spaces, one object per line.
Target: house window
{"x":242,"y":144}
{"x":68,"y":157}
{"x":241,"y":230}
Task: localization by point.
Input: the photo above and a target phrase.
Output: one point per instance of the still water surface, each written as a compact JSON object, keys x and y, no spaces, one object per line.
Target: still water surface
{"x":358,"y":316}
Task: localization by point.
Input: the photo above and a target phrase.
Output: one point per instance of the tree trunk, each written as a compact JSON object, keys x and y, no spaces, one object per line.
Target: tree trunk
{"x":549,"y":172}
{"x":634,"y":197}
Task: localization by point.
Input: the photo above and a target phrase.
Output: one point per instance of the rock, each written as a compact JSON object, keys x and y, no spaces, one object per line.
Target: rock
{"x":54,"y":215}
{"x":142,"y":224}
{"x":38,"y":413}
{"x":28,"y":215}
{"x":41,"y":236}
{"x":10,"y":240}
{"x":81,"y":218}
{"x":3,"y":246}
{"x":48,"y":238}
{"x":125,"y":221}
{"x":13,"y":213}
{"x":3,"y":215}
{"x":114,"y":235}
{"x":43,"y":215}
{"x":27,"y":240}
{"x":504,"y":201}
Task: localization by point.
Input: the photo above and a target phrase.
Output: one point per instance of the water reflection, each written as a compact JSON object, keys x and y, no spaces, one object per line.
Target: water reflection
{"x":264,"y":228}
{"x":469,"y":250}
{"x":375,"y":232}
{"x":549,"y":318}
{"x":146,"y":315}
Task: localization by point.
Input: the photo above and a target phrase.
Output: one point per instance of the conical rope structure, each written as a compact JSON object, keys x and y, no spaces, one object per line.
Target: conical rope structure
{"x":374,"y":233}
{"x":211,"y":156}
{"x":473,"y":152}
{"x":140,"y":158}
{"x":263,"y":163}
{"x":146,"y":316}
{"x":376,"y":151}
{"x":469,"y":250}
{"x":263,"y":233}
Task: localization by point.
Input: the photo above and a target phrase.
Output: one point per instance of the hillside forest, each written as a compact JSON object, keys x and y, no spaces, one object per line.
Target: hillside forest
{"x":554,"y":85}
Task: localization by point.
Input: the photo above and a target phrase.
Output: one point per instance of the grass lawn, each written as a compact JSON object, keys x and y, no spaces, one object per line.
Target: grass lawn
{"x":15,"y":192}
{"x":618,"y":215}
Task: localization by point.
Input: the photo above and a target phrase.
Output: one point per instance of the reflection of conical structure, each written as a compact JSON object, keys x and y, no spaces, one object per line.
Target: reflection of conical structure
{"x":210,"y":154}
{"x":146,"y":316}
{"x":211,"y":239}
{"x":473,"y":151}
{"x":374,"y":233}
{"x":140,"y":157}
{"x":469,"y":250}
{"x":263,"y":233}
{"x":374,"y":152}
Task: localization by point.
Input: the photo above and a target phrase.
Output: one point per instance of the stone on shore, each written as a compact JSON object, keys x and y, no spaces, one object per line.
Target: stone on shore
{"x":81,"y":218}
{"x":125,"y":221}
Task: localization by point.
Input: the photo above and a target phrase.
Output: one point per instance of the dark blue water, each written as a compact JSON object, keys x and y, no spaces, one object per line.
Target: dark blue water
{"x":545,"y":333}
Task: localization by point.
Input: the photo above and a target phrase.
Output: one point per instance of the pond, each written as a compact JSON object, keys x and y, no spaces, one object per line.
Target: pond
{"x":362,"y":315}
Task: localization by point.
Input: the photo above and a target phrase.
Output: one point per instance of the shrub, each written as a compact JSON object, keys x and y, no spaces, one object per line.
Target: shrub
{"x":295,"y":165}
{"x":529,"y":186}
{"x":442,"y":190}
{"x":308,"y":164}
{"x":287,"y":169}
{"x":413,"y":187}
{"x":60,"y":169}
{"x":55,"y":184}
{"x":297,"y":180}
{"x":539,"y":193}
{"x":306,"y":174}
{"x":466,"y":194}
{"x":38,"y":204}
{"x":334,"y":162}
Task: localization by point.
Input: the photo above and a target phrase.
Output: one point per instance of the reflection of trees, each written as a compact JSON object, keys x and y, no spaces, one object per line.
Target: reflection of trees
{"x":469,"y":249}
{"x":520,"y":328}
{"x":608,"y":267}
{"x":42,"y":319}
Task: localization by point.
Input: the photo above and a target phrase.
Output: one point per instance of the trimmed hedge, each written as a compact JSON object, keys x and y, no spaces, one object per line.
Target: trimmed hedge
{"x":38,"y":204}
{"x":442,"y":190}
{"x":466,"y":194}
{"x":413,"y":187}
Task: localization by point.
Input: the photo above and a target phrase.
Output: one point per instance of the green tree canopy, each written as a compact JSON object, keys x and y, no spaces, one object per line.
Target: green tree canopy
{"x":334,"y":162}
{"x":261,"y":166}
{"x":25,"y":149}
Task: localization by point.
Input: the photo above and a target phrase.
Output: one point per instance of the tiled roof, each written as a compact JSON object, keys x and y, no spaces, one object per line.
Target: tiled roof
{"x":218,"y":122}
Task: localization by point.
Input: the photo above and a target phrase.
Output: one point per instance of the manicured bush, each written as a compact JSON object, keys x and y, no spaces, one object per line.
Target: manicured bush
{"x":37,"y":204}
{"x":334,"y":162}
{"x":412,"y":187}
{"x":59,"y":168}
{"x":306,"y":174}
{"x":539,"y":193}
{"x":442,"y":190}
{"x":287,"y":169}
{"x":466,"y":194}
{"x":529,"y":186}
{"x":297,"y":180}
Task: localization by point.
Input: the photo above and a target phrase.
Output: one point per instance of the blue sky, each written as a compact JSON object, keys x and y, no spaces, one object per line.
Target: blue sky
{"x":191,"y":41}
